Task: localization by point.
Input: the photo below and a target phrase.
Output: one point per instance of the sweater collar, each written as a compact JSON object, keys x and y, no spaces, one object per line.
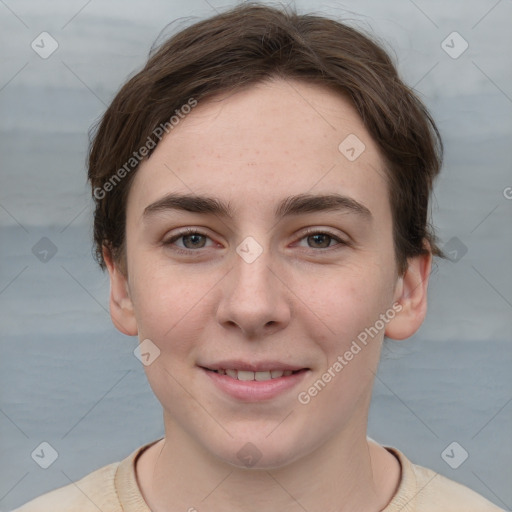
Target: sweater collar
{"x":131,"y":499}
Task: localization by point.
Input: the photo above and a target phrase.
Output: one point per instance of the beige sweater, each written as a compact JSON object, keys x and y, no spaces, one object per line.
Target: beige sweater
{"x":114,"y":488}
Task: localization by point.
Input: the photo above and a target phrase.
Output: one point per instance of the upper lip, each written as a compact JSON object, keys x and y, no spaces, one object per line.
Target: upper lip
{"x":260,"y":366}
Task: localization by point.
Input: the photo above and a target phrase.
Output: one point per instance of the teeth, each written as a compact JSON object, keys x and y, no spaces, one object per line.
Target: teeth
{"x":232,"y":373}
{"x":261,"y":375}
{"x":244,"y":375}
{"x":258,"y":376}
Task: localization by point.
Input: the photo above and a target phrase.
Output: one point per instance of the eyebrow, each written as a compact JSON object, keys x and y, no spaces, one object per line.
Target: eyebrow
{"x":293,"y":205}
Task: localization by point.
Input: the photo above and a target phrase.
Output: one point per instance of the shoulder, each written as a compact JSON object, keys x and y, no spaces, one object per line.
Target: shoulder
{"x":440,"y":493}
{"x":95,"y":491}
{"x":424,"y":490}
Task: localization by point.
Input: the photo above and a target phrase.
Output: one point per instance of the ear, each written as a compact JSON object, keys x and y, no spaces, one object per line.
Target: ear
{"x":121,"y":306}
{"x":411,"y":294}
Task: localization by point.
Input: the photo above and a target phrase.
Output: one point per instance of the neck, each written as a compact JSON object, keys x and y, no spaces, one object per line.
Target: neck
{"x":346,"y":473}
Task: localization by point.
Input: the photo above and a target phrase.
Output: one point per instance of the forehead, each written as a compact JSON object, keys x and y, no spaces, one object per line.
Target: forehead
{"x":266,"y":142}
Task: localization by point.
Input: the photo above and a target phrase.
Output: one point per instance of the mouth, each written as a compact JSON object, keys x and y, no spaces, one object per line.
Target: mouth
{"x":254,"y":382}
{"x":260,"y":376}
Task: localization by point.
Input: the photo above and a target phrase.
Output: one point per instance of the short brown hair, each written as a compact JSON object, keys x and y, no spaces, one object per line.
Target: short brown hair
{"x":249,"y":44}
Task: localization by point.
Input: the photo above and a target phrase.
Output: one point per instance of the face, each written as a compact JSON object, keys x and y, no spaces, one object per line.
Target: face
{"x":252,"y":272}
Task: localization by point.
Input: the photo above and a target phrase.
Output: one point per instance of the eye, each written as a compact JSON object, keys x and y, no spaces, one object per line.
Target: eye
{"x":322,"y":239}
{"x":191,"y":239}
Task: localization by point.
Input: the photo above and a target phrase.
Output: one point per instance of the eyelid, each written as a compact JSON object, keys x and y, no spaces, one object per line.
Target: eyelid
{"x":324,"y":231}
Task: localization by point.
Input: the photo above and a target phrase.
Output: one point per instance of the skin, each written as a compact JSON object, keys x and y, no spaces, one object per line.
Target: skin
{"x":302,"y":301}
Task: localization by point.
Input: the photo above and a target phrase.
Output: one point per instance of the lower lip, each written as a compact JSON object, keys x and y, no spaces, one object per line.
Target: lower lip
{"x":253,"y":390}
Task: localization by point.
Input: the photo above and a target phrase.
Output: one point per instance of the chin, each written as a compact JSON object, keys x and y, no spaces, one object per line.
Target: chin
{"x":260,"y":452}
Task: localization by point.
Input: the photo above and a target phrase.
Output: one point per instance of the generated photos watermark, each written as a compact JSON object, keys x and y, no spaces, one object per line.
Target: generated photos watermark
{"x":305,"y":397}
{"x":143,"y":151}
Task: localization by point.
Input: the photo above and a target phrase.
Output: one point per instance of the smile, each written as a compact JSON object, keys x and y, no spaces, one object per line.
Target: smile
{"x":254,"y":386}
{"x":247,"y":375}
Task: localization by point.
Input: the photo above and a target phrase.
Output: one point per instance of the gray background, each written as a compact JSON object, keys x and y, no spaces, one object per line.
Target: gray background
{"x":70,"y":379}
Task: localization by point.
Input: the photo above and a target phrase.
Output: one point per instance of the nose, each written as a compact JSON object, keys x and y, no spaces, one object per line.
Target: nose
{"x":254,"y":298}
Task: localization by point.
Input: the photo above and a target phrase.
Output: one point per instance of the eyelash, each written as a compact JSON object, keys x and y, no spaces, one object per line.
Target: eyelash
{"x":308,"y":233}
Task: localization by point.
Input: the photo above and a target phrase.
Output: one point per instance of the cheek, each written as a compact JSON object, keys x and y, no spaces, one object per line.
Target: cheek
{"x":349,"y":305}
{"x":345,"y":302}
{"x":170,"y":305}
{"x":171,"y":311}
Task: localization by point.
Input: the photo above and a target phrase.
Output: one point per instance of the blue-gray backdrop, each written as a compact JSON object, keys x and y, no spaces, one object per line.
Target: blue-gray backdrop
{"x":70,"y":379}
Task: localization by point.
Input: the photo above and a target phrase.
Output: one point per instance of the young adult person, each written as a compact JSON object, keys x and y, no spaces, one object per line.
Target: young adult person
{"x":262,"y":194}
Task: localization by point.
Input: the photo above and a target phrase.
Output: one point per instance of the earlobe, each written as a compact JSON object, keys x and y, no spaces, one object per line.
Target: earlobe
{"x":411,"y":294}
{"x":121,"y":305}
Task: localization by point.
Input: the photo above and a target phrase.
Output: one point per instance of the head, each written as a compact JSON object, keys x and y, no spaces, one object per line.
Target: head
{"x":302,"y":167}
